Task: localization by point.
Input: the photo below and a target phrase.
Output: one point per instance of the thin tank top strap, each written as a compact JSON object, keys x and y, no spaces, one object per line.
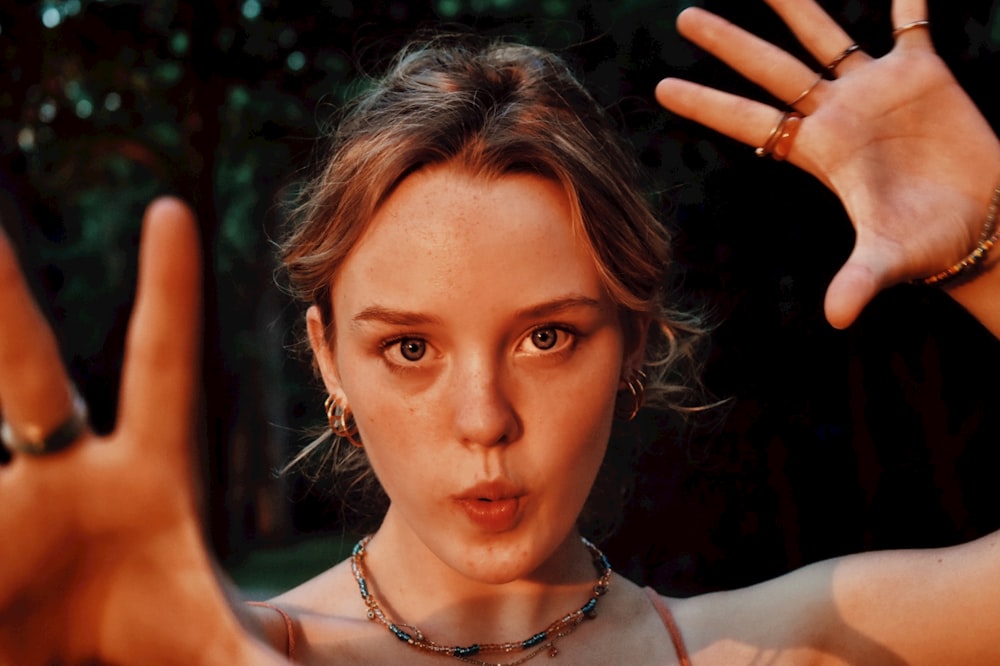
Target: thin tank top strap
{"x":670,"y":624}
{"x":289,"y":627}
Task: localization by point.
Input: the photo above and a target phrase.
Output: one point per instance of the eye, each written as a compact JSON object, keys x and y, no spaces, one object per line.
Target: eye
{"x":404,"y":353}
{"x":548,"y":339}
{"x":412,"y":349}
{"x":545,"y":338}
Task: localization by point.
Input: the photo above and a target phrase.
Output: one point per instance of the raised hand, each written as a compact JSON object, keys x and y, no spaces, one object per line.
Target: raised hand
{"x":102,"y":554}
{"x":896,"y":138}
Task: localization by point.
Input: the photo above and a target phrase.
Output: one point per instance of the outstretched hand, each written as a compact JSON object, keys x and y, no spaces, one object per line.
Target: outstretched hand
{"x":102,"y":549}
{"x":896,"y":138}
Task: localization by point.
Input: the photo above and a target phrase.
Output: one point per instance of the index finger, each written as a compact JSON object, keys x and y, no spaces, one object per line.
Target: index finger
{"x":162,"y":350}
{"x":743,"y":119}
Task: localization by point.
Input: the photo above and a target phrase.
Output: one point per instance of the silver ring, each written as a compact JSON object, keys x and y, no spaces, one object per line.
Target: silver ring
{"x":38,"y":444}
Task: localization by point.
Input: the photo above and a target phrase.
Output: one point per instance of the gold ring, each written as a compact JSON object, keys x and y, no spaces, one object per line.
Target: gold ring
{"x":802,"y":95}
{"x":35,"y":443}
{"x":923,"y":23}
{"x":778,"y":135}
{"x":783,"y":142}
{"x":840,"y":58}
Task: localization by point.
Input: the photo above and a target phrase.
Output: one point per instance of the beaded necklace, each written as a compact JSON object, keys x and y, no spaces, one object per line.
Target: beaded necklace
{"x":542,"y":641}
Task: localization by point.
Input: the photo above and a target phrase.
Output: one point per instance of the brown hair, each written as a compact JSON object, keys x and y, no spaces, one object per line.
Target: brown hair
{"x":494,"y":107}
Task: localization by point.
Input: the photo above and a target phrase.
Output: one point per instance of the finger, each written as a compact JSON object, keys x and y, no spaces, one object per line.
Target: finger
{"x":35,"y":392}
{"x":906,"y":13}
{"x":737,"y":117}
{"x":162,"y":349}
{"x":853,"y":287}
{"x":770,"y":67}
{"x":819,"y":34}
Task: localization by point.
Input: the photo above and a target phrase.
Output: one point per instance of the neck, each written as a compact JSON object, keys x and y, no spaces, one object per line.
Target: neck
{"x":416,"y":587}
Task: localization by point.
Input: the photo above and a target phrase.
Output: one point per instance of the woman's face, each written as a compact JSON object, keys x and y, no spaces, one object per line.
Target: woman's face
{"x":481,"y":356}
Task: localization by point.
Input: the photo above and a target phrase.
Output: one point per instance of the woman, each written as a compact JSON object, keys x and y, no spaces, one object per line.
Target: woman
{"x":476,"y":333}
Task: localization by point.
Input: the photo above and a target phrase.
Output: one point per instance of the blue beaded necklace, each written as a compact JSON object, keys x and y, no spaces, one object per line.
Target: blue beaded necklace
{"x":542,"y":641}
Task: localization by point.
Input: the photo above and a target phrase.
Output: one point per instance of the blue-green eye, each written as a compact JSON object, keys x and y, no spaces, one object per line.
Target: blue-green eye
{"x":412,"y":349}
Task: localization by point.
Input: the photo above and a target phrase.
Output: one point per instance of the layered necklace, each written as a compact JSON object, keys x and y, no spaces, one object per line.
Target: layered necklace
{"x":542,"y":641}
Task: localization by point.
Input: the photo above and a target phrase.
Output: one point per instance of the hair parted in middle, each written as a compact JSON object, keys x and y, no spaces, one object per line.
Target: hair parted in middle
{"x":491,"y":107}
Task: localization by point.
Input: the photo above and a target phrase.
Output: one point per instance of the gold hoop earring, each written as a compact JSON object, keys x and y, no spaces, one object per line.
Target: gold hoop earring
{"x":637,"y":392}
{"x":341,"y":420}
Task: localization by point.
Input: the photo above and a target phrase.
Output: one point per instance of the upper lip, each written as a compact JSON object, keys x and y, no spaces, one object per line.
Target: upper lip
{"x":498,"y":489}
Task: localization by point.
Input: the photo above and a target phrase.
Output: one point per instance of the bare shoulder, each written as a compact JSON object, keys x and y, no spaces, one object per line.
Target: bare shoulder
{"x":888,"y":608}
{"x":332,"y":592}
{"x":325,"y":614}
{"x":634,"y":629}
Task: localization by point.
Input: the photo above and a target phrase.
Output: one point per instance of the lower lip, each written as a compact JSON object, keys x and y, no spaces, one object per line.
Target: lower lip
{"x":496,"y":516}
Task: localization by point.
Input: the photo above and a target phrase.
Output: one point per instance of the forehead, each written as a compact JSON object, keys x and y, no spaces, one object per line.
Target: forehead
{"x":448,"y":238}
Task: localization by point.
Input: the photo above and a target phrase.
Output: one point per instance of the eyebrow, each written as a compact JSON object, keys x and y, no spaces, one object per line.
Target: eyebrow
{"x":382,"y":314}
{"x":395,"y":317}
{"x":558,"y":305}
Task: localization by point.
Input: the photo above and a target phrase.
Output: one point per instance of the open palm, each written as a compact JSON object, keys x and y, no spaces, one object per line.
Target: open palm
{"x":896,"y":138}
{"x":103,"y":556}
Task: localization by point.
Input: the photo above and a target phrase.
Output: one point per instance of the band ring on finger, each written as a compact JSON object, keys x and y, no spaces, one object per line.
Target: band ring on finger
{"x":779,"y":141}
{"x":841,"y":57}
{"x":805,"y":93}
{"x":923,"y":23}
{"x":783,"y":142}
{"x":32,"y":441}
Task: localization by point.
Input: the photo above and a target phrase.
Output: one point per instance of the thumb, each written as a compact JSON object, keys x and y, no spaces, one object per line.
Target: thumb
{"x":854,"y":286}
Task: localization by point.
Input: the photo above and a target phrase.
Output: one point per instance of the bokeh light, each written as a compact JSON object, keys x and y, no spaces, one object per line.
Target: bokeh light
{"x":51,"y":17}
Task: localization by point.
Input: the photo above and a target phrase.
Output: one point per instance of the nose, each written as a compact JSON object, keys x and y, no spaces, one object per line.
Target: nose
{"x":483,"y":414}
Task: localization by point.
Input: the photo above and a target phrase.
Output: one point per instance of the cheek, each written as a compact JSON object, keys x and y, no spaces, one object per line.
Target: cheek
{"x":573,"y":419}
{"x":384,"y":413}
{"x":591,"y":428}
{"x":391,"y":428}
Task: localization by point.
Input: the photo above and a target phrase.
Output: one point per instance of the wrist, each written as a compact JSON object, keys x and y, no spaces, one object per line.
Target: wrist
{"x":979,"y":259}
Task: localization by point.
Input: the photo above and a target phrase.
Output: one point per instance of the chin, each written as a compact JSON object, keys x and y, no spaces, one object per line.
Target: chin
{"x":504,"y":558}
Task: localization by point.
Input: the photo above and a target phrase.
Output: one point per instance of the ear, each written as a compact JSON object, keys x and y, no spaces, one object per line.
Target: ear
{"x":325,"y":360}
{"x":636,"y":330}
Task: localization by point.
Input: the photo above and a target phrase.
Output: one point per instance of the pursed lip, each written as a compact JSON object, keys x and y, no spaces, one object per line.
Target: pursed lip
{"x":493,"y":506}
{"x":491,"y":491}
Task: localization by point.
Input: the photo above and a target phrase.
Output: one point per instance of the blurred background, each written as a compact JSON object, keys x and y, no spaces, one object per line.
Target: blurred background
{"x":881,"y":436}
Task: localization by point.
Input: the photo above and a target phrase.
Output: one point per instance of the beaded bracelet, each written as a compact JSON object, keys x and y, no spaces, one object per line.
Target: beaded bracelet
{"x":989,"y":237}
